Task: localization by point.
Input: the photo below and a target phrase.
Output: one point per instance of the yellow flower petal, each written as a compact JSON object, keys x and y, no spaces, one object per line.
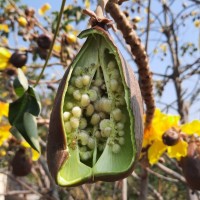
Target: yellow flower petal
{"x":191,"y":128}
{"x":155,"y":151}
{"x":22,"y":21}
{"x":71,"y":38}
{"x":4,"y":107}
{"x":179,"y":150}
{"x":197,"y":23}
{"x":4,"y":133}
{"x":57,"y":48}
{"x":4,"y":58}
{"x":87,"y":4}
{"x":4,"y":27}
{"x":44,"y":9}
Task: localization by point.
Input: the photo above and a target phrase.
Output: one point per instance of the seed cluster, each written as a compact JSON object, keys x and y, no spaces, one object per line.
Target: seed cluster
{"x":94,"y":110}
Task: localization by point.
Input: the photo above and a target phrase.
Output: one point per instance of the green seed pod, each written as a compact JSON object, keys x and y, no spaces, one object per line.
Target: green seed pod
{"x":104,"y":158}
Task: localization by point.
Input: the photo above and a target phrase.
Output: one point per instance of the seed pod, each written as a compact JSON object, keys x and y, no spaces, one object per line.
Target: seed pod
{"x":21,"y":163}
{"x":171,"y":137}
{"x":107,"y":161}
{"x":18,"y":59}
{"x":44,"y":41}
{"x":191,"y":165}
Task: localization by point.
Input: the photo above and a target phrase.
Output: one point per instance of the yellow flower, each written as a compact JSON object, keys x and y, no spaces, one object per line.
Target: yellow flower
{"x":155,"y":151}
{"x":179,"y":150}
{"x":197,"y":23}
{"x":57,"y":48}
{"x":4,"y":58}
{"x":71,"y":38}
{"x":44,"y":9}
{"x":191,"y":128}
{"x":22,"y":21}
{"x":4,"y":133}
{"x":136,"y":19}
{"x":4,"y":27}
{"x":35,"y":154}
{"x":87,"y":4}
{"x":4,"y":40}
{"x":163,"y":47}
{"x":68,"y":27}
{"x":3,"y":109}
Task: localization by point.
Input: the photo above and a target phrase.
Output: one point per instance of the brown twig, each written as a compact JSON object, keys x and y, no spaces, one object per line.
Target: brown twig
{"x":139,"y":53}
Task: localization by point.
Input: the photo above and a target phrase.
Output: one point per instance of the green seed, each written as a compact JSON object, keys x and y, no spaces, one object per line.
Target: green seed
{"x":77,"y":95}
{"x":113,"y":85}
{"x":78,"y":82}
{"x":83,"y":137}
{"x":95,"y":119}
{"x":97,"y":134}
{"x":91,"y":143}
{"x":85,"y":155}
{"x":105,"y":105}
{"x":69,"y":105}
{"x":120,"y":126}
{"x":66,"y":116}
{"x":86,"y":80}
{"x":116,"y":148}
{"x":93,"y":95}
{"x":111,"y":65}
{"x":89,"y":110}
{"x":78,"y":71}
{"x":85,"y":100}
{"x":68,"y":127}
{"x":83,"y":123}
{"x":105,"y":123}
{"x":117,"y":114}
{"x":76,"y":111}
{"x":106,"y":132}
{"x":121,"y":133}
{"x":98,"y":82}
{"x":70,"y":89}
{"x":74,"y":122}
{"x":121,"y":140}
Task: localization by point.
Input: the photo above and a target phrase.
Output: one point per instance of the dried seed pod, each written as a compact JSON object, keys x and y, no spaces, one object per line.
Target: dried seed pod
{"x":18,"y":59}
{"x":191,"y":165}
{"x":44,"y":41}
{"x":95,"y":157}
{"x":21,"y":163}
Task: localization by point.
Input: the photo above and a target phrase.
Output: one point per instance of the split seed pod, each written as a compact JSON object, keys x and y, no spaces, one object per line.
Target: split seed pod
{"x":96,"y":127}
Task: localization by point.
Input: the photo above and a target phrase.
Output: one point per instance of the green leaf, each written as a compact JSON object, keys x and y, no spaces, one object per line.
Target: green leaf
{"x":15,"y":133}
{"x":27,"y":103}
{"x":30,"y":125}
{"x":20,"y":84}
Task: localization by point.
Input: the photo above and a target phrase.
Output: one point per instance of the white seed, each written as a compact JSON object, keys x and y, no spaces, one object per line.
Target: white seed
{"x":120,"y":126}
{"x":104,"y":123}
{"x":111,"y":65}
{"x":114,"y":85}
{"x":70,"y":89}
{"x":121,"y":133}
{"x":93,"y":95}
{"x":97,"y":105}
{"x":85,"y":80}
{"x":121,"y":140}
{"x":91,"y":143}
{"x":76,"y":111}
{"x":95,"y":119}
{"x":97,"y":134}
{"x":74,"y":122}
{"x":69,"y":105}
{"x":78,"y":82}
{"x":106,"y":132}
{"x":66,"y":116}
{"x":98,"y":82}
{"x":77,"y":95}
{"x":85,"y":100}
{"x":85,"y":155}
{"x":116,"y":148}
{"x":89,"y":110}
{"x":68,"y":127}
{"x":83,"y":137}
{"x":105,"y":105}
{"x":83,"y":123}
{"x":117,"y":114}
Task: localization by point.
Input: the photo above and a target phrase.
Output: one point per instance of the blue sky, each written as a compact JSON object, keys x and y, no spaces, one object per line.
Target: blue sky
{"x":191,"y":33}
